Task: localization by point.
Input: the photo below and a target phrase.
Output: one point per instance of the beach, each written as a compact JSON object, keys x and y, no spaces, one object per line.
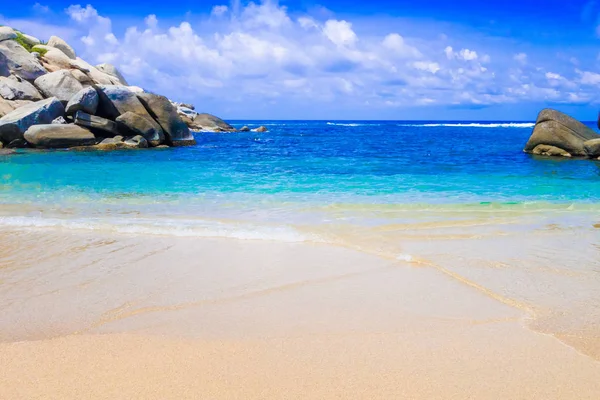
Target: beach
{"x":112,"y":315}
{"x":293,"y":264}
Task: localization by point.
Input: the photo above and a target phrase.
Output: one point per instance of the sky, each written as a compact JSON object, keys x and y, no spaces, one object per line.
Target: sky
{"x":333,"y":59}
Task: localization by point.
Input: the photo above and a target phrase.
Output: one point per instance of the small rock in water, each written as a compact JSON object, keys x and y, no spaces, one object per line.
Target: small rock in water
{"x":17,"y":144}
{"x":261,"y":129}
{"x":244,"y":129}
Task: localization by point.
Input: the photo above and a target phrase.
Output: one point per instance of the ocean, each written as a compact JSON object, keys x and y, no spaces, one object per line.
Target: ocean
{"x":460,"y":197}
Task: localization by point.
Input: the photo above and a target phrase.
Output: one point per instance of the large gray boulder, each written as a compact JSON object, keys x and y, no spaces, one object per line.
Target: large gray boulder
{"x":8,"y":106}
{"x":112,"y":71}
{"x":118,"y":100}
{"x":98,"y":77}
{"x":7,"y":33}
{"x":60,"y":84}
{"x":55,"y":136}
{"x":592,"y":148}
{"x":85,"y":100}
{"x":176,"y":131}
{"x":208,"y":122}
{"x":30,"y":40}
{"x":14,"y":124}
{"x":133,"y":124}
{"x":60,"y":44}
{"x":558,"y":130}
{"x":104,"y":127}
{"x":53,"y":59}
{"x":15,"y":60}
{"x":14,"y":89}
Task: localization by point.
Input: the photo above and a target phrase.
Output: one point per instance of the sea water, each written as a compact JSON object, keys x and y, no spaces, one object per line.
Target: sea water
{"x":461,"y":197}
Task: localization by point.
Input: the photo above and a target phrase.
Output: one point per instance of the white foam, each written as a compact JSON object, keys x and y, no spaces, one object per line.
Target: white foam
{"x":405,"y":257}
{"x":478,"y":125}
{"x":350,"y":124}
{"x":166,"y":227}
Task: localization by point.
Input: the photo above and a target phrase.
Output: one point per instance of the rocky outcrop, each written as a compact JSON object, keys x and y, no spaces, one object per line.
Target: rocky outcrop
{"x":14,"y":88}
{"x":60,"y":44}
{"x":60,"y":84}
{"x":101,"y":126}
{"x":244,"y":129}
{"x":38,"y":80}
{"x":53,"y":136}
{"x":15,"y":60}
{"x":138,"y":125}
{"x":85,"y":100}
{"x":14,"y":124}
{"x":260,"y":129}
{"x":160,"y":108}
{"x":559,"y":135}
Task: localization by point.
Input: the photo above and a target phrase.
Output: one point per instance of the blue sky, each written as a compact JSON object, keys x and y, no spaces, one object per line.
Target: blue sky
{"x":459,"y":60}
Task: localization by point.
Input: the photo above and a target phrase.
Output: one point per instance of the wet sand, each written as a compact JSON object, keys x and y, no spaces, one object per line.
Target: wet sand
{"x":114,"y":316}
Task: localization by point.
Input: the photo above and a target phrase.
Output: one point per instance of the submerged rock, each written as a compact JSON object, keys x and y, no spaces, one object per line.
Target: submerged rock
{"x":559,"y":131}
{"x":14,"y":124}
{"x":160,"y":108}
{"x":54,"y":136}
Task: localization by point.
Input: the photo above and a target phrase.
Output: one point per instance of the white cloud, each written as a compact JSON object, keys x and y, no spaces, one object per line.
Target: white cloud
{"x":219,"y":11}
{"x":521,"y":58}
{"x":39,"y":8}
{"x":340,"y":32}
{"x":257,"y":52}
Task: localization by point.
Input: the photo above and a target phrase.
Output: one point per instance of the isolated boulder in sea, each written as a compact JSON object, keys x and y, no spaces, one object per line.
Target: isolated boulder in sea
{"x":60,"y":84}
{"x":61,"y":45}
{"x":85,"y":100}
{"x":53,"y":136}
{"x":15,"y":60}
{"x":160,"y":108}
{"x":134,"y":124}
{"x":261,"y":129}
{"x":111,"y":70}
{"x":14,"y":88}
{"x":244,"y":129}
{"x":209,"y":122}
{"x":102,"y":126}
{"x":556,"y":129}
{"x":7,"y":33}
{"x":14,"y":124}
{"x":592,"y":148}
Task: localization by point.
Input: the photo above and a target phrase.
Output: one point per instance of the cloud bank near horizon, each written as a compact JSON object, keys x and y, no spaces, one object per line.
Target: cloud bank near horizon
{"x":264,"y":53}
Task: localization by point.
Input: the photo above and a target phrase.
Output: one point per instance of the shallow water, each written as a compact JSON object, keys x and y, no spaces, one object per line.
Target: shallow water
{"x":459,"y":197}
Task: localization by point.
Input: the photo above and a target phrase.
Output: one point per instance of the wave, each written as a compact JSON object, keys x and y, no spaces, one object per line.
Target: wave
{"x":350,"y":124}
{"x":166,"y":227}
{"x":477,"y":125}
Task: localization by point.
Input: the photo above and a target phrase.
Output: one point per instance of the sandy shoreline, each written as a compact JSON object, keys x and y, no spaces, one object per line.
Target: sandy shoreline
{"x":119,"y":316}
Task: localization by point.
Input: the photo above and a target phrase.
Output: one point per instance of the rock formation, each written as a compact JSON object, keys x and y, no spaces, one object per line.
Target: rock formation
{"x":557,"y":134}
{"x":51,"y":98}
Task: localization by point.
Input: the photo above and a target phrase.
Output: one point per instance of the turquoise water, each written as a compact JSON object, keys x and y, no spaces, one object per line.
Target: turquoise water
{"x":312,"y":162}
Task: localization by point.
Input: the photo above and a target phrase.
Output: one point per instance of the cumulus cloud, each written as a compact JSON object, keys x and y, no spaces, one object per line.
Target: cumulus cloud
{"x":259,"y":51}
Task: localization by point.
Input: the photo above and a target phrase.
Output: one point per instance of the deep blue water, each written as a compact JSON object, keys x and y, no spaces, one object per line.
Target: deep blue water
{"x":313,"y":161}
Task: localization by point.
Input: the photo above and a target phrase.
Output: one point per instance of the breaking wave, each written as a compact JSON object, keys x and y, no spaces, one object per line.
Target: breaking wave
{"x":477,"y":125}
